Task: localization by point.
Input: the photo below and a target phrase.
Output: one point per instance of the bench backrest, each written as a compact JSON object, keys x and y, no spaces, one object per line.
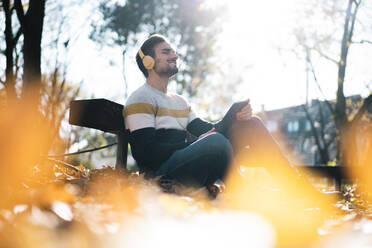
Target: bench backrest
{"x":103,"y":115}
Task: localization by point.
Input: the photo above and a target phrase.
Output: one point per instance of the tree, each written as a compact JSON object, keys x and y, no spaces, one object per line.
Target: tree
{"x":50,"y":96}
{"x":190,"y":25}
{"x":31,"y":19}
{"x":32,"y":28}
{"x":322,"y":134}
{"x":317,"y":44}
{"x":11,"y":40}
{"x":56,"y":96}
{"x":345,"y":126}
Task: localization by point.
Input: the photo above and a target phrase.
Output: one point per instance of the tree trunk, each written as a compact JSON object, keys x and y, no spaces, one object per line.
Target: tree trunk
{"x":9,"y":39}
{"x":32,"y":26}
{"x":321,"y":146}
{"x":340,"y":113}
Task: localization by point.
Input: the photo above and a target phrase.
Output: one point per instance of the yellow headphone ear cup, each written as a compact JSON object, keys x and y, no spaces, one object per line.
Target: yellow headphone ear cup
{"x":148,"y":62}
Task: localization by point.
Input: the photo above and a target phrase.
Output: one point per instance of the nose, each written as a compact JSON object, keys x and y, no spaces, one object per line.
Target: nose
{"x":174,"y":56}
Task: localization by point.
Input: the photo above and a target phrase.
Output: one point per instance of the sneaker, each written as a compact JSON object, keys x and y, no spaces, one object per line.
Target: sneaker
{"x":215,"y":188}
{"x":167,"y":185}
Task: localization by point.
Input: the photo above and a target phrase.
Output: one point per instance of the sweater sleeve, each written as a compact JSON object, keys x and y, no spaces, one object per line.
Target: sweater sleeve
{"x":198,"y":126}
{"x":149,"y":150}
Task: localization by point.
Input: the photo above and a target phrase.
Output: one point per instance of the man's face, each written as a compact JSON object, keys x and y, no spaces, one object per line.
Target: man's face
{"x":165,"y":60}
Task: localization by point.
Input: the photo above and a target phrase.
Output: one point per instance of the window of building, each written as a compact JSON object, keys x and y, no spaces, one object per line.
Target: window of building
{"x":293,"y":126}
{"x":290,"y":127}
{"x":296,"y":126}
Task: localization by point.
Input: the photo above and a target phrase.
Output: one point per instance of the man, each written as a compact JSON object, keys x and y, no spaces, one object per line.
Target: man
{"x":159,"y":123}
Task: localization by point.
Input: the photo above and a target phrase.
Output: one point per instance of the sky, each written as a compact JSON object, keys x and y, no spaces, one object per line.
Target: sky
{"x":270,"y":78}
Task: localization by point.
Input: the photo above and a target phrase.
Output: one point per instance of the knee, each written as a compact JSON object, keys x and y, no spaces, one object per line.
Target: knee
{"x":256,"y":121}
{"x":217,"y":141}
{"x":219,"y":145}
{"x":253,"y":123}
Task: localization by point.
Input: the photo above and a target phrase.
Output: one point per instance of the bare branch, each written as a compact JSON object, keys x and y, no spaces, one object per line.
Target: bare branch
{"x":330,"y":140}
{"x":362,"y":42}
{"x":77,"y":91}
{"x":326,"y":56}
{"x":357,"y":3}
{"x":16,"y":37}
{"x":318,"y":85}
{"x":322,"y":123}
{"x":313,"y":129}
{"x":17,"y":55}
{"x":362,"y":109}
{"x":367,"y":87}
{"x":58,"y":121}
{"x":61,"y":89}
{"x":20,"y":13}
{"x":353,"y":18}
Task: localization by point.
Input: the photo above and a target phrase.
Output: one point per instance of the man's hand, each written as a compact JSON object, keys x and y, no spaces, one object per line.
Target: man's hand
{"x":207,"y":133}
{"x":245,"y":113}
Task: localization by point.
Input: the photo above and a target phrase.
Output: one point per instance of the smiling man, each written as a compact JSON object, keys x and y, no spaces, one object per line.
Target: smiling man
{"x":161,"y":122}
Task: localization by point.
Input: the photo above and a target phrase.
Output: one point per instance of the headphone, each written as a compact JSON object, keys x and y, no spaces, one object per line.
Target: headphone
{"x":148,"y":61}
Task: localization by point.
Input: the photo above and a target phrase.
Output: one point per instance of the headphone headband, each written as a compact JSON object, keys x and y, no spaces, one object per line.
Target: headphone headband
{"x":141,"y":53}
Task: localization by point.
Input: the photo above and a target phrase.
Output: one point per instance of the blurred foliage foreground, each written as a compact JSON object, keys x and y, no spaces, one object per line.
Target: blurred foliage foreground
{"x":48,"y":203}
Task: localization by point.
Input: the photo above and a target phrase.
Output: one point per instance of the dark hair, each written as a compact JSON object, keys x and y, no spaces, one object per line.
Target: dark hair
{"x":148,"y":49}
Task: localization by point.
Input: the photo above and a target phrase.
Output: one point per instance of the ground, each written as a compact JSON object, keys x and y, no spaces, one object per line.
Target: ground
{"x":67,"y":206}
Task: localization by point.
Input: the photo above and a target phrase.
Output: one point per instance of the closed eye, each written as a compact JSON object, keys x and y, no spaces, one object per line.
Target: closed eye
{"x":167,"y":51}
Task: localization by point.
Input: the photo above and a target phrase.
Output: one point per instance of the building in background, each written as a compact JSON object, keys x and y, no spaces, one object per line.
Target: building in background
{"x":304,"y":132}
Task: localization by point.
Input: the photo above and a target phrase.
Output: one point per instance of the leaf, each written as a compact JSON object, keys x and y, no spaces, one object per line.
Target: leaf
{"x":53,"y":192}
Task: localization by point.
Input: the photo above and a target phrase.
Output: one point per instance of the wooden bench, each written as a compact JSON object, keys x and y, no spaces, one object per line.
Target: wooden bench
{"x":103,"y":115}
{"x":107,"y":116}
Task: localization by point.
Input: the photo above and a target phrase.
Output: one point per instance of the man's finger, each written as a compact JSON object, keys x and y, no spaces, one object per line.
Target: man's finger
{"x":245,"y":111}
{"x":245,"y":108}
{"x":244,"y":116}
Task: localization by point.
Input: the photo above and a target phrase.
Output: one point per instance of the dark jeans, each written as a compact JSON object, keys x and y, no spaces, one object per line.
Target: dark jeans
{"x":209,"y":159}
{"x":201,"y":163}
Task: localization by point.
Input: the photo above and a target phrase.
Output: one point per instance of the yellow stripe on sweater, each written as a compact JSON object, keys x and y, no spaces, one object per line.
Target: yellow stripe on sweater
{"x":147,"y":108}
{"x":182,"y":113}
{"x":139,"y":108}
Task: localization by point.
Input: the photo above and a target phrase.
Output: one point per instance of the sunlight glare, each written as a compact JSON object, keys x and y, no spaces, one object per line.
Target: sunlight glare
{"x":251,"y":37}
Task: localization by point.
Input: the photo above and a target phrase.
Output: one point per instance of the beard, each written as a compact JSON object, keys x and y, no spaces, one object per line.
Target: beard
{"x":170,"y":71}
